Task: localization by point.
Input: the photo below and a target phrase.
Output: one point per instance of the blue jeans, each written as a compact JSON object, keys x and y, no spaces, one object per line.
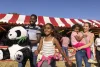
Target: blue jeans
{"x":81,"y":54}
{"x":65,"y":49}
{"x":34,"y":59}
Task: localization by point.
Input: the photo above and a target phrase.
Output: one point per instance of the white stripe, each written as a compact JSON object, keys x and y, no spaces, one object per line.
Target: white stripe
{"x":96,"y":21}
{"x":37,"y":22}
{"x":46,"y":20}
{"x":20,"y":19}
{"x":87,"y":21}
{"x":6,"y":18}
{"x":69,"y":22}
{"x":78,"y":22}
{"x":91,"y":23}
{"x":60,"y":23}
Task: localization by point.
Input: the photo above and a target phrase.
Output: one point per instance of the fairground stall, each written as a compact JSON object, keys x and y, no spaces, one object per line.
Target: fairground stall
{"x":9,"y":20}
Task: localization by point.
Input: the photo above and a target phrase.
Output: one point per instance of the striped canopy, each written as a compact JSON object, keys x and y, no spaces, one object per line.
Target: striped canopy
{"x":64,"y":22}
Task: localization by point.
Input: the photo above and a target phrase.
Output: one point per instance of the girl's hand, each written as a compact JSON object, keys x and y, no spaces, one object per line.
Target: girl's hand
{"x":79,"y":48}
{"x":76,"y":36}
{"x":75,"y":49}
{"x":36,"y":52}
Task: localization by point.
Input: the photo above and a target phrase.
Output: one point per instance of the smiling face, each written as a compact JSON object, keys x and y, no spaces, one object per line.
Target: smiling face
{"x":33,"y":20}
{"x":76,"y":29}
{"x":48,"y":30}
{"x":86,"y":27}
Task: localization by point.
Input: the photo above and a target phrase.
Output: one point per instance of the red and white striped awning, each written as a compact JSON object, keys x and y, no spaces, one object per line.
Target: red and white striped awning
{"x":24,"y":19}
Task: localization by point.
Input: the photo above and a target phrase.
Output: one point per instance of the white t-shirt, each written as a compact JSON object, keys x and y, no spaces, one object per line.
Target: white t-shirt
{"x":32,"y":32}
{"x":97,"y":42}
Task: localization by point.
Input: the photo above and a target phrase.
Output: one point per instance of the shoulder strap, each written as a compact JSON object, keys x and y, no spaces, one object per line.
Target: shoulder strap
{"x":52,"y":38}
{"x":84,"y":38}
{"x":43,"y":39}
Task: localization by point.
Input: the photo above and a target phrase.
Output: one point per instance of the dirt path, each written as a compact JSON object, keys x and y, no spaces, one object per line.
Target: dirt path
{"x":15,"y":64}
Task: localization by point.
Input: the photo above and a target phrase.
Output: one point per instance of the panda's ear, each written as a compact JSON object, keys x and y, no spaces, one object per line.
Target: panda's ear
{"x":18,"y":33}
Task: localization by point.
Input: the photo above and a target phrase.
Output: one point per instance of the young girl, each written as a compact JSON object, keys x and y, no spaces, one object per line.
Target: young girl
{"x":65,"y":42}
{"x":47,"y":45}
{"x":76,"y":38}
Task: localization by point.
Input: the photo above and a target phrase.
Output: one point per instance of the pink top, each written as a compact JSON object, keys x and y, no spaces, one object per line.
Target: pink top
{"x":88,"y":38}
{"x":73,"y":40}
{"x":65,"y":41}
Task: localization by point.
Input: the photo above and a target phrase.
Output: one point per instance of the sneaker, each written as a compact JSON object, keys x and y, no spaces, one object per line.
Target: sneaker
{"x":92,"y":61}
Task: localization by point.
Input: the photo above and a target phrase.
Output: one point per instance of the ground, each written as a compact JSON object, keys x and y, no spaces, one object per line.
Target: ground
{"x":15,"y":64}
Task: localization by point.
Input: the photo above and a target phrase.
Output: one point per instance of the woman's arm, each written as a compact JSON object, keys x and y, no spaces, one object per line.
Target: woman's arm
{"x":80,"y":36}
{"x":89,"y":44}
{"x":60,"y":49}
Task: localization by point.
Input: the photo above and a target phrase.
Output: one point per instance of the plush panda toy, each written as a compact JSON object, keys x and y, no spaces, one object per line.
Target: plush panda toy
{"x":18,"y":46}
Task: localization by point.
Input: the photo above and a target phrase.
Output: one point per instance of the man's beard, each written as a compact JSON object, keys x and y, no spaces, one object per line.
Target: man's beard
{"x":32,"y":24}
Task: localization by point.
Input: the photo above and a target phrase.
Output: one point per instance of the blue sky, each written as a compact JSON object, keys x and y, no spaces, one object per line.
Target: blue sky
{"x":83,"y":9}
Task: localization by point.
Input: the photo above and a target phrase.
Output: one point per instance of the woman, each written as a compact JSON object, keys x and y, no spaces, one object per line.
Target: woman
{"x":87,"y":39}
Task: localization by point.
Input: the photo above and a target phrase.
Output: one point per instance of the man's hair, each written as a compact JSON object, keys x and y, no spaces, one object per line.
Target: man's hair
{"x":34,"y":16}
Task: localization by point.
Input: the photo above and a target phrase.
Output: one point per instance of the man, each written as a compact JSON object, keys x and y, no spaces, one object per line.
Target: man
{"x":97,"y":44}
{"x":34,"y":36}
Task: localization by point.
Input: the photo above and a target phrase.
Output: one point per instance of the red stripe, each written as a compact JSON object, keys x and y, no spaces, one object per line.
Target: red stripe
{"x":98,"y":20}
{"x":53,"y":21}
{"x":81,"y":20}
{"x":64,"y":21}
{"x":73,"y":21}
{"x":27,"y":19}
{"x":41,"y":20}
{"x":14,"y":18}
{"x":95,"y":23}
{"x":2,"y":16}
{"x":91,"y":21}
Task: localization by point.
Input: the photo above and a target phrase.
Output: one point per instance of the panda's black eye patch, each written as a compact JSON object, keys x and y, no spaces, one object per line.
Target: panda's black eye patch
{"x":18,"y":33}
